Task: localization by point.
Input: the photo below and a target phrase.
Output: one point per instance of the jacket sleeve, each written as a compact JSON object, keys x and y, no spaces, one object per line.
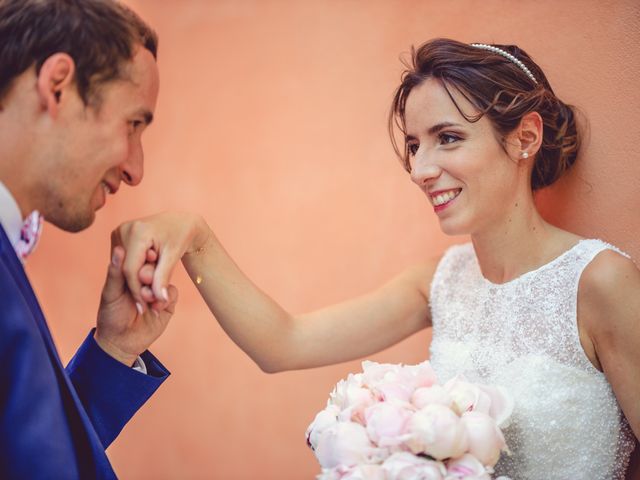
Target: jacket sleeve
{"x":111,"y":392}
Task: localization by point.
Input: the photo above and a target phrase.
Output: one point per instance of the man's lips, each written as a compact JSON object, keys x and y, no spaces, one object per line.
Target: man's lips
{"x":109,"y":188}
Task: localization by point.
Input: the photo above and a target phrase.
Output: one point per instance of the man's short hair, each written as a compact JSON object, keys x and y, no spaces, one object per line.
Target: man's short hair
{"x":100,"y":36}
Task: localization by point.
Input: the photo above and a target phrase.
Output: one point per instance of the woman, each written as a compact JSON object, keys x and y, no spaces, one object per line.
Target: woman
{"x":547,"y":314}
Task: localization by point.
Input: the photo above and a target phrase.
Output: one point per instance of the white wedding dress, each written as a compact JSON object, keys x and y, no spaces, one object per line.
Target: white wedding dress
{"x":523,"y":335}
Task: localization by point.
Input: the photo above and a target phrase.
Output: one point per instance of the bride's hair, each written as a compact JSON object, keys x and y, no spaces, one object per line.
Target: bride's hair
{"x":498,"y":88}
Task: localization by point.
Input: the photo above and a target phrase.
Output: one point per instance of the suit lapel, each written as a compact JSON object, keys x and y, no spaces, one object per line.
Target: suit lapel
{"x":9,"y":257}
{"x":19,"y":275}
{"x":95,"y":463}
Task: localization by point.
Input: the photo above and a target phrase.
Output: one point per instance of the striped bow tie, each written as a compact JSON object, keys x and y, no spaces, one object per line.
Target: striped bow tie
{"x":29,"y":235}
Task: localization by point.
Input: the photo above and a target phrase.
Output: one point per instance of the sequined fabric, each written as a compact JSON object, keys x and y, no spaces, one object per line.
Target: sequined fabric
{"x":523,"y":335}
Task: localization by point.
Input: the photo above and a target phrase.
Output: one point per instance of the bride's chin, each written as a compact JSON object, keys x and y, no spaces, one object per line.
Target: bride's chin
{"x":452,"y":228}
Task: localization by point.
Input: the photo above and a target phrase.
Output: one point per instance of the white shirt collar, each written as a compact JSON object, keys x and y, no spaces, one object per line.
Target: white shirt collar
{"x":10,"y":216}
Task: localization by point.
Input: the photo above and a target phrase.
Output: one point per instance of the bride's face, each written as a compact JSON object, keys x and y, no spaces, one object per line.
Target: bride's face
{"x":462,"y":167}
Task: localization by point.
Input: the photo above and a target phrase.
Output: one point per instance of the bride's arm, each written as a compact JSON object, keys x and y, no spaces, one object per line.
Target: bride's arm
{"x":275,"y":339}
{"x":609,"y":314}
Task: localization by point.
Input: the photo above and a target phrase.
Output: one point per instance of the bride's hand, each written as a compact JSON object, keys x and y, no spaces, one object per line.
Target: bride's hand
{"x":170,"y":235}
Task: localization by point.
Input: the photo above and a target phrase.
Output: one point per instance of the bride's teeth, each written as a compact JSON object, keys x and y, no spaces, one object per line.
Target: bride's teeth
{"x":445,"y":197}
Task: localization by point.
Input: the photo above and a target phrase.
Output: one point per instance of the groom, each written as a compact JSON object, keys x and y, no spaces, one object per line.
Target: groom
{"x":78,"y":86}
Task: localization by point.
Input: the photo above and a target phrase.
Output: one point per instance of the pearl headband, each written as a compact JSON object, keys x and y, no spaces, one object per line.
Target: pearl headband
{"x":508,"y":56}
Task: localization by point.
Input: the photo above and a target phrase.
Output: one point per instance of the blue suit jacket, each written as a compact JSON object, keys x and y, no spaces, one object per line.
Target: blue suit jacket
{"x":57,"y":423}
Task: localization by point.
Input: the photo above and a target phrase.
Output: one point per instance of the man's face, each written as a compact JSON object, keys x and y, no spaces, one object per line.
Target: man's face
{"x":98,"y":146}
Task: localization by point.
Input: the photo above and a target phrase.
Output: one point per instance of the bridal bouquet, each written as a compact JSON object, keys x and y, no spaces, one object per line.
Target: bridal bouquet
{"x":394,"y":422}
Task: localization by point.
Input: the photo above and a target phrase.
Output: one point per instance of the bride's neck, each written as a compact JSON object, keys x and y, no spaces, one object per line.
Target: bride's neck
{"x":521,"y":242}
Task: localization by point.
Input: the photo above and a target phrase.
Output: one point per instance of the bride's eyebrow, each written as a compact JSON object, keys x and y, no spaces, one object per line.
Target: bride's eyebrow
{"x":435,"y":129}
{"x":441,"y":126}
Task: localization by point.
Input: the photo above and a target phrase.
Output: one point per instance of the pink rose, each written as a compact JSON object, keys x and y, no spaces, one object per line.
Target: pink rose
{"x":352,"y":398}
{"x":386,"y":422}
{"x":364,"y":472}
{"x":485,"y":438}
{"x":345,"y":443}
{"x":359,"y":472}
{"x":324,"y":419}
{"x":467,"y":396}
{"x":350,"y":392}
{"x":438,"y":432}
{"x":501,"y":404}
{"x":406,"y":466}
{"x":492,"y":400}
{"x":355,"y":412}
{"x":393,"y":390}
{"x":374,"y":373}
{"x":466,"y":467}
{"x":397,"y":381}
{"x":421,"y":375}
{"x":435,"y":394}
{"x":330,"y":474}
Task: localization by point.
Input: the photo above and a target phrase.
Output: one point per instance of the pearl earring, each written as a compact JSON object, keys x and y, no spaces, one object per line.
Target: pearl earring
{"x":524,"y":154}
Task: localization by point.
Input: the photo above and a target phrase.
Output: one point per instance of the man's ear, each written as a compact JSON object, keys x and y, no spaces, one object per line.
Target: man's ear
{"x":56,"y":78}
{"x":529,"y":134}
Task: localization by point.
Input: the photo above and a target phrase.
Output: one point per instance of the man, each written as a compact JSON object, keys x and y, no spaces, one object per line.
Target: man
{"x":78,"y":86}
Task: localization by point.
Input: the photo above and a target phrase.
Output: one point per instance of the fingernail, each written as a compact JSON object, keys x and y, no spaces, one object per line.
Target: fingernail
{"x":165,"y":294}
{"x":139,"y":308}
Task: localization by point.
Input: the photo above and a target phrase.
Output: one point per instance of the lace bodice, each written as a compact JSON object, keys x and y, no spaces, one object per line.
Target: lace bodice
{"x":523,"y":335}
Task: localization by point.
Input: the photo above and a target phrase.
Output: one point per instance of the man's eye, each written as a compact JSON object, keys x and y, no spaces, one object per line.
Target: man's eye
{"x":446,"y":138}
{"x":135,"y":125}
{"x":413,"y":148}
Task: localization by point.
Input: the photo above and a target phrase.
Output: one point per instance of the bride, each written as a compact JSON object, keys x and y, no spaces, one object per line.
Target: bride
{"x":549,"y":315}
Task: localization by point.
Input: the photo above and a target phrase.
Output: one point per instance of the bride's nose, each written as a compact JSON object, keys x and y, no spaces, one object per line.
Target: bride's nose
{"x":424,"y":171}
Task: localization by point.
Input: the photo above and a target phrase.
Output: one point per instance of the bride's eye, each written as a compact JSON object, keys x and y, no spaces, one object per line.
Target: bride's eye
{"x":447,"y":138}
{"x":412,"y":148}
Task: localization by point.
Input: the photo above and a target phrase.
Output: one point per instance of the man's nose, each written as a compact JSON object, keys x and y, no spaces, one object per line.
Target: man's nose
{"x":423,"y":170}
{"x":132,"y":170}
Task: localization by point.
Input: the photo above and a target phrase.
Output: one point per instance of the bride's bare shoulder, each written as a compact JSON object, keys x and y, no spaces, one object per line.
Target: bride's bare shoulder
{"x":610,"y":272}
{"x":609,"y":296}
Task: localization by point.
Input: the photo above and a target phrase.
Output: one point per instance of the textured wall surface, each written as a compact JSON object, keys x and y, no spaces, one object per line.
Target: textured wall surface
{"x":272,"y":124}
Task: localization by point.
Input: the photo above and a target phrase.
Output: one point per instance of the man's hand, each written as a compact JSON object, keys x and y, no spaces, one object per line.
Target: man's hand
{"x":122,"y":330}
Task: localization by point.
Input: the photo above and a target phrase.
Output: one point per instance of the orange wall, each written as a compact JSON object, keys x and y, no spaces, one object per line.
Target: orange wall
{"x":272,"y":124}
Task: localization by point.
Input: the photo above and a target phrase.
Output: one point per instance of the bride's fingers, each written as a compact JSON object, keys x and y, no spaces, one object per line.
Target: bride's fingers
{"x":136,"y":245}
{"x":147,"y":295}
{"x":152,"y":255}
{"x":162,"y":274}
{"x":146,"y":273}
{"x":167,"y":308}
